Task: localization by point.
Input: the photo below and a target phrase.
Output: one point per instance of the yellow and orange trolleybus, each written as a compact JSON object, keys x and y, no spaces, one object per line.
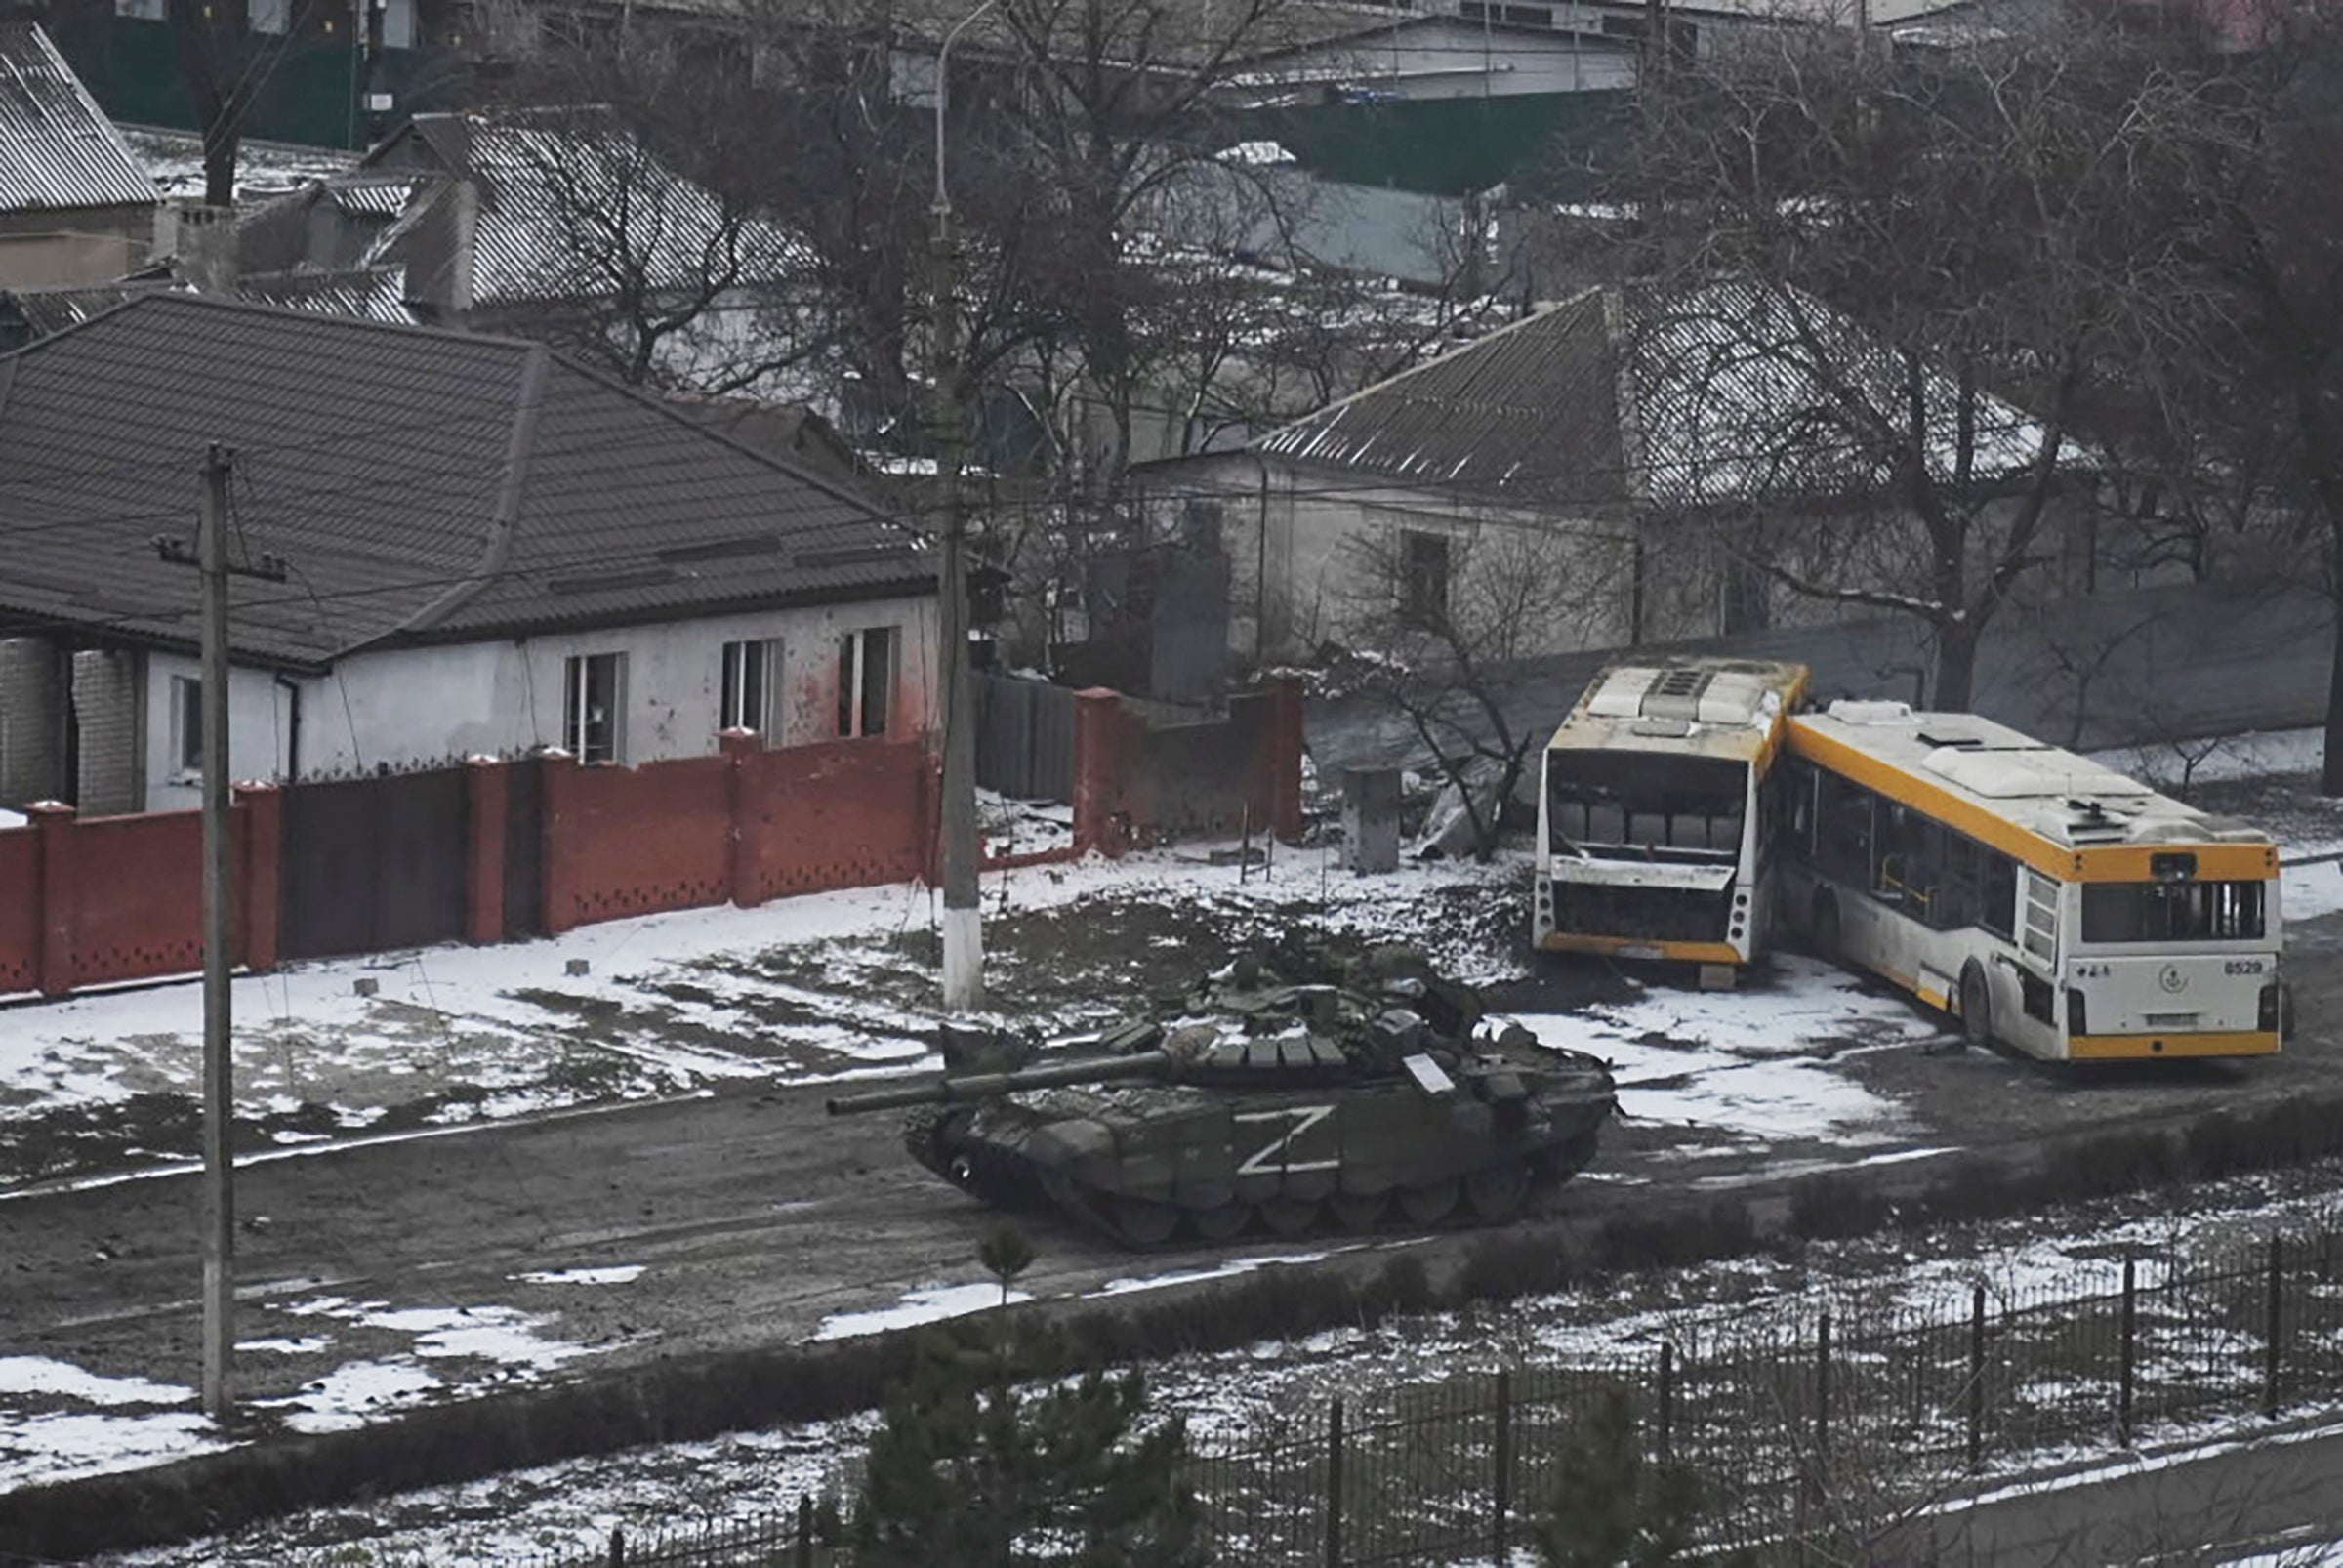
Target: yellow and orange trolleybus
{"x":1656,"y":811}
{"x":2044,"y":900}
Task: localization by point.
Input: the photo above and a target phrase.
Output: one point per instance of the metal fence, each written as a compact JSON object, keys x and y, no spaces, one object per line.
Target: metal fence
{"x":1024,"y":738}
{"x":1795,"y":1433}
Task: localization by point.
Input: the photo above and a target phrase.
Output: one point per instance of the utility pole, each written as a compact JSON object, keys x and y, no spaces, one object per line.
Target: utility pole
{"x":219,"y":925}
{"x":963,"y":931}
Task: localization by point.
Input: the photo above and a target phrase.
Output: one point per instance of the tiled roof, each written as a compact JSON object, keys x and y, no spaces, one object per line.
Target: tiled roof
{"x":425,"y":485}
{"x":57,"y":146}
{"x":1612,"y":395}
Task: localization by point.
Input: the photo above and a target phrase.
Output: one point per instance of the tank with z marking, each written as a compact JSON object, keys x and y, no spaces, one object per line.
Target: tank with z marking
{"x":1311,"y":1092}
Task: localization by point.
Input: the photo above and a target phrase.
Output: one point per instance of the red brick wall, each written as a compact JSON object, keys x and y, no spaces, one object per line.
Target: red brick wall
{"x":116,"y":898}
{"x":19,"y":909}
{"x":633,"y":841}
{"x":133,"y":897}
{"x":844,"y":815}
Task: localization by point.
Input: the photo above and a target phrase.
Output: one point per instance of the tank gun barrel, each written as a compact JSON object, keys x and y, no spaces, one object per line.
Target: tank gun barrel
{"x":969,"y":1086}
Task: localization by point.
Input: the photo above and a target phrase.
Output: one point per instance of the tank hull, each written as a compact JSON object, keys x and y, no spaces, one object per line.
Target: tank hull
{"x":1154,"y":1164}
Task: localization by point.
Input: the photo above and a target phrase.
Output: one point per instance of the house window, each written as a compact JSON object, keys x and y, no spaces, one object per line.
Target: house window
{"x":866,"y":681}
{"x":399,"y":23}
{"x":591,"y":693}
{"x":1424,"y":577}
{"x":268,"y":16}
{"x":143,"y":10}
{"x":187,"y":723}
{"x":747,"y":702}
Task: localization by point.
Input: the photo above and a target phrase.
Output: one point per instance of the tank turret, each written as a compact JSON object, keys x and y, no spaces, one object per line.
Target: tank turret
{"x":1361,"y":1095}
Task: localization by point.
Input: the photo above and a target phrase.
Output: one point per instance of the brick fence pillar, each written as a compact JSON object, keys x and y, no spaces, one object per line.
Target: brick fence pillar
{"x":261,"y":873}
{"x":559,"y":774}
{"x":488,"y":802}
{"x":741,"y":841}
{"x":1101,"y":817}
{"x":52,"y":964}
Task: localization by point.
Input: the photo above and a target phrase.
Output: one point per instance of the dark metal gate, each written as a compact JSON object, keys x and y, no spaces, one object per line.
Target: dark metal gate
{"x":1024,"y":738}
{"x":374,"y":864}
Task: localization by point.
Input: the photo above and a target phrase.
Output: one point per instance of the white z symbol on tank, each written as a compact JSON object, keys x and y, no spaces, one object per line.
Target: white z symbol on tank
{"x":1269,"y":1160}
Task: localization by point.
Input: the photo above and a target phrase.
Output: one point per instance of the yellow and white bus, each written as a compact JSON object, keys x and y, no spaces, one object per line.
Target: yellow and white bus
{"x":1656,"y":810}
{"x":2043,"y":900}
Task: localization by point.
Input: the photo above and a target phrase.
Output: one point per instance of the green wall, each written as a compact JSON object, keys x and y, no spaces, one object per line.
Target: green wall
{"x":132,"y":68}
{"x":1447,"y":147}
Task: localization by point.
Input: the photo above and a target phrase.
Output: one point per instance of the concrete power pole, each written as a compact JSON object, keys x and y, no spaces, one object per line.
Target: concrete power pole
{"x":219,"y":928}
{"x":963,"y":931}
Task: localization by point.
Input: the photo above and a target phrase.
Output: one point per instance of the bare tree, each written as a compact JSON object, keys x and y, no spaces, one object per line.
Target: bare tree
{"x":2267,"y":358}
{"x":611,"y":251}
{"x":223,"y":63}
{"x":1929,"y":261}
{"x":1438,"y":625}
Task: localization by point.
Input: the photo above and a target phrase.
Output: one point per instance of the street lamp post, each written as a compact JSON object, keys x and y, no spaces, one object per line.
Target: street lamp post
{"x":964,"y":933}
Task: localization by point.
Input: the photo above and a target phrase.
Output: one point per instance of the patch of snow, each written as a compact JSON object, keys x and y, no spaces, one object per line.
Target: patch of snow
{"x":2308,"y":891}
{"x":346,"y":1397}
{"x":931,"y":1305}
{"x":60,"y":1446}
{"x":2262,"y":754}
{"x":38,"y":1375}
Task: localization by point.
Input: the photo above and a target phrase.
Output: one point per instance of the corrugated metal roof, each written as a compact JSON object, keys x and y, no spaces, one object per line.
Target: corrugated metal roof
{"x":552,"y":184}
{"x":369,"y":293}
{"x":57,"y":146}
{"x":383,"y":462}
{"x":385,"y":197}
{"x":1611,"y":395}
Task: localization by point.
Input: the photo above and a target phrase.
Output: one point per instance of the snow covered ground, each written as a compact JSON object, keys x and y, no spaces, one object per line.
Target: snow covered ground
{"x":818,"y":988}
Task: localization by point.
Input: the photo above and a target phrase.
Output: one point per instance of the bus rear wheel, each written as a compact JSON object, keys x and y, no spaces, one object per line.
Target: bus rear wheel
{"x":1976,"y":1006}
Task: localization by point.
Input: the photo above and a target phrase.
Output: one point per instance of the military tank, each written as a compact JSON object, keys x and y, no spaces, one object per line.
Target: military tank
{"x":1361,"y":1095}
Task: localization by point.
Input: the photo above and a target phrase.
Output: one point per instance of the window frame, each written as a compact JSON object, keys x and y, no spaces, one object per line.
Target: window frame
{"x":855,"y":681}
{"x":1426,"y":576}
{"x":733,"y":662}
{"x":578,"y":672}
{"x":187,"y":726}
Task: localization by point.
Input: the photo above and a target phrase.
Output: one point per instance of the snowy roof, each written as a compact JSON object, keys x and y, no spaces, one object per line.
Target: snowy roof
{"x":1613,"y":397}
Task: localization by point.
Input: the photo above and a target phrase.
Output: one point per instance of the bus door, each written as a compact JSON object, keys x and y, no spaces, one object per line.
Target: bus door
{"x":2037,"y":970}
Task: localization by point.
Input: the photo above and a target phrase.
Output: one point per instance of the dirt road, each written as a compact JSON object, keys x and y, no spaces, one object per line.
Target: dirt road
{"x":758,"y":1216}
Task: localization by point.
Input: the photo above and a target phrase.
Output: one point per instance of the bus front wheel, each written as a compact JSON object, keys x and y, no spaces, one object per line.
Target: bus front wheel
{"x":1976,"y":1006}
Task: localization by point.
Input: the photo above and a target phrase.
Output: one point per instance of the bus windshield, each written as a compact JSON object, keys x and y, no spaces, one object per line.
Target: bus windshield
{"x":1646,"y":801}
{"x":2172,"y":911}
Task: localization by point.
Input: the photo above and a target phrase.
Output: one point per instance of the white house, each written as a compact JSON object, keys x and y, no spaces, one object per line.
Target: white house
{"x":1624,"y":427}
{"x":487,"y":549}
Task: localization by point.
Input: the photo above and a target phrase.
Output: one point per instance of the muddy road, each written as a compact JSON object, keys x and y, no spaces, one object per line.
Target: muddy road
{"x":754,"y":1216}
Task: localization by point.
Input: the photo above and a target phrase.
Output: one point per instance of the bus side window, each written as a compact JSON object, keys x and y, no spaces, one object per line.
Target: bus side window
{"x":1999,"y":912}
{"x":1844,"y":815}
{"x":1799,"y":797}
{"x":1959,"y":897}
